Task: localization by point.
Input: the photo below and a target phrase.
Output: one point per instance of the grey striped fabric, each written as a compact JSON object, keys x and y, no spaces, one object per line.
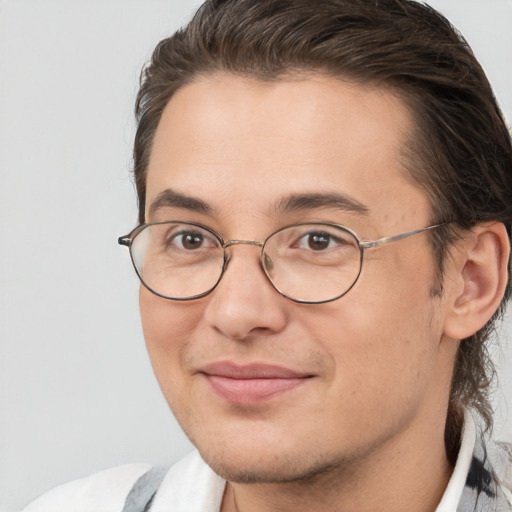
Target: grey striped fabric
{"x":489,"y":483}
{"x":141,"y":495}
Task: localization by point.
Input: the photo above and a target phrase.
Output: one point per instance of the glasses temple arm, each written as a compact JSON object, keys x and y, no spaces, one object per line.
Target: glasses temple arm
{"x":396,"y":238}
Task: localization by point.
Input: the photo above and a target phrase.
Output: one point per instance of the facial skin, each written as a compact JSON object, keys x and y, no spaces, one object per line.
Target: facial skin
{"x":375,"y":365}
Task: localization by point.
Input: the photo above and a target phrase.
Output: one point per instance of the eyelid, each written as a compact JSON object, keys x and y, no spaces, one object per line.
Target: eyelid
{"x":336,"y":240}
{"x":183,"y":231}
{"x":187,"y":225}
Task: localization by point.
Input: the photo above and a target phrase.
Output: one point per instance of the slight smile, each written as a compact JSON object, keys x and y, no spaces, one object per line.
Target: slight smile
{"x":251,"y":384}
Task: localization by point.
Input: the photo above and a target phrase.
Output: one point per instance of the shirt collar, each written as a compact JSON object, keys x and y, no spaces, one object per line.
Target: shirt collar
{"x":455,"y":488}
{"x":479,"y":482}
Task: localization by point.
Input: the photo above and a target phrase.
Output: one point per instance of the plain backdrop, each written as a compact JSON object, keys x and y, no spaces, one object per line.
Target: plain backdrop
{"x":77,"y":392}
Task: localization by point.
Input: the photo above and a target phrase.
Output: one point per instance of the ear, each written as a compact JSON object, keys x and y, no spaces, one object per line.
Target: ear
{"x":476,"y":277}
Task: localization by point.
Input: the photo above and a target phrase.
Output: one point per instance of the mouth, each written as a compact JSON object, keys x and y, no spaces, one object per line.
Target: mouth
{"x":251,"y":384}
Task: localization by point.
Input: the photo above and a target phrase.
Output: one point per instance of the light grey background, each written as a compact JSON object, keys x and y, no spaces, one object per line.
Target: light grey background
{"x":76,"y":389}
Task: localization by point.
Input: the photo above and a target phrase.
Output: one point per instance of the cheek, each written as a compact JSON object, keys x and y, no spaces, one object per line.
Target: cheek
{"x":168,"y":327}
{"x":381,"y":370}
{"x":384,"y":334}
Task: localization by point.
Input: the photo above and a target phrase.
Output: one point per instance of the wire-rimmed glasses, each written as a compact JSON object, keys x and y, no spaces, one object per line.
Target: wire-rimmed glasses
{"x":308,"y":263}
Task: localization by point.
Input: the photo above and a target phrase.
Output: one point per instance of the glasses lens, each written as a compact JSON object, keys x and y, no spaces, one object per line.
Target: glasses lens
{"x":312,"y":262}
{"x":177,"y":260}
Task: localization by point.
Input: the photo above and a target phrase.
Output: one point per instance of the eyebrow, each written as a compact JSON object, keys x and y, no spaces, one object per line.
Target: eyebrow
{"x":291,"y":203}
{"x":171,"y":199}
{"x":311,"y":201}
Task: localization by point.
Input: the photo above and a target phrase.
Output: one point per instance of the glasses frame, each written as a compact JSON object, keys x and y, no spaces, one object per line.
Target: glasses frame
{"x":127,"y":240}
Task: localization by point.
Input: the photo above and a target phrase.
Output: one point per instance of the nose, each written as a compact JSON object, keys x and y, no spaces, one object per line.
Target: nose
{"x":244,"y":303}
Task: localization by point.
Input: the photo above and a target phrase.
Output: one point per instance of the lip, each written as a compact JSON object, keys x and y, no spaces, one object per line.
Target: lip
{"x":251,"y":384}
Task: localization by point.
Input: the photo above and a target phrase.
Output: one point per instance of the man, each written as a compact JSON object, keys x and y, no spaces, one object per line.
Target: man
{"x":325,"y":194}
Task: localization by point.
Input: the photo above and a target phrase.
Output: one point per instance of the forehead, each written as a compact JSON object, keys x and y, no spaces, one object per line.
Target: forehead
{"x":226,"y":136}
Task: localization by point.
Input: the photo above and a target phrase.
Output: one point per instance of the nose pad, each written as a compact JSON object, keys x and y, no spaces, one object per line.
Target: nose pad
{"x":227,"y":259}
{"x":267,"y":263}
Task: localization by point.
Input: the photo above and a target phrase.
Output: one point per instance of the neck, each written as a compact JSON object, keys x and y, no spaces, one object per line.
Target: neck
{"x":406,"y":473}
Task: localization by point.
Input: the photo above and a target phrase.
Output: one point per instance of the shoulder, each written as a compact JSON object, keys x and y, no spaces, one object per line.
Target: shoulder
{"x":501,"y":454}
{"x":105,"y":491}
{"x":188,"y":485}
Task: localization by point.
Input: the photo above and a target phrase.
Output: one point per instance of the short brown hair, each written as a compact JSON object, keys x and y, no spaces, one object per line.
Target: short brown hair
{"x":460,"y":153}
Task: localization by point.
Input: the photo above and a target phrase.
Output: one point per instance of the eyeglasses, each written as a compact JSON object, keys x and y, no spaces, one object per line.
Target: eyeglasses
{"x":308,"y":263}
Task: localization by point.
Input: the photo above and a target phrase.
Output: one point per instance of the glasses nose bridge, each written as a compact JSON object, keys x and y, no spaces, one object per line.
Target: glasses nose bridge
{"x":230,"y":243}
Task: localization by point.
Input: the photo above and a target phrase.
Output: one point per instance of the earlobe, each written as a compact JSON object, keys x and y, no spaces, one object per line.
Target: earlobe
{"x":479,"y":273}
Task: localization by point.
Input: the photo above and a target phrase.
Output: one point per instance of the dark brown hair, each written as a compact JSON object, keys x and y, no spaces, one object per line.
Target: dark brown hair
{"x":460,"y":151}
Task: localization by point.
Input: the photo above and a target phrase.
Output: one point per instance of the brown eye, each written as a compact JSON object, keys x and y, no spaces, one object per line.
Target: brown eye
{"x":318,"y":241}
{"x":188,"y":240}
{"x":191,"y":241}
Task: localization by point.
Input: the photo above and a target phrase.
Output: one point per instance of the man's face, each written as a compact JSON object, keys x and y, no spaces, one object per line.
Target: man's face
{"x":266,"y":388}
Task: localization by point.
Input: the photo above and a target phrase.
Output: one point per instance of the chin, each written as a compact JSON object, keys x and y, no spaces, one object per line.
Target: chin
{"x":273,"y":469}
